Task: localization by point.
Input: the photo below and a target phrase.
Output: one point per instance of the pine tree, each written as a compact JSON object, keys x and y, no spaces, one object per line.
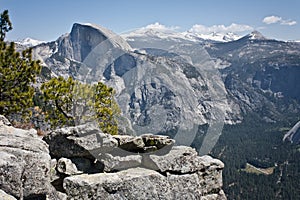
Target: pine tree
{"x":70,"y":102}
{"x":17,"y":73}
{"x":106,"y":108}
{"x":5,"y":24}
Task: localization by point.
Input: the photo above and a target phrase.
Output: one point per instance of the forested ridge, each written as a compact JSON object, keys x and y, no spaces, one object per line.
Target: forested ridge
{"x":260,"y":144}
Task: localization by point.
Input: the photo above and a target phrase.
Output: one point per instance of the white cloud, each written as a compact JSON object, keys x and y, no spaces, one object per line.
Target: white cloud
{"x":271,"y":19}
{"x":160,"y":27}
{"x":289,"y":22}
{"x":154,"y":29}
{"x":276,"y":19}
{"x":234,"y":28}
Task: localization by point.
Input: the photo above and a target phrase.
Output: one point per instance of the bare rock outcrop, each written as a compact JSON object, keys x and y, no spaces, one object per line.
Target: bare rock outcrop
{"x":86,"y":163}
{"x":142,"y":183}
{"x":24,"y":163}
{"x":4,"y":195}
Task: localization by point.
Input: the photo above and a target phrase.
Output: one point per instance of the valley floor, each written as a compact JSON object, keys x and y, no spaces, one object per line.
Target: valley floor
{"x":258,"y":165}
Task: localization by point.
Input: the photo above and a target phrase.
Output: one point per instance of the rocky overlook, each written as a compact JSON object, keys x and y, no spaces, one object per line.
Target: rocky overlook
{"x":234,"y":99}
{"x":83,"y":163}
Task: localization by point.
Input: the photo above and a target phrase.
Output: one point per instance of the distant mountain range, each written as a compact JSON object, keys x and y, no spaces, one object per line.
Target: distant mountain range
{"x":162,"y":34}
{"x":170,"y":82}
{"x":259,"y":74}
{"x":29,"y":42}
{"x":146,"y":33}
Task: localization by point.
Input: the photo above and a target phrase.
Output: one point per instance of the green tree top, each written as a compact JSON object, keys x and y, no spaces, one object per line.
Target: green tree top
{"x":17,"y":73}
{"x":70,"y":102}
{"x":5,"y":24}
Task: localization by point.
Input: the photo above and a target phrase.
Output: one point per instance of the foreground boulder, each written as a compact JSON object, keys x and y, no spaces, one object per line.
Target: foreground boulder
{"x":80,"y":141}
{"x":141,"y":183}
{"x":86,"y":163}
{"x":88,"y":142}
{"x":137,"y":167}
{"x":135,"y":183}
{"x":181,"y":159}
{"x":24,"y":163}
{"x":4,"y":195}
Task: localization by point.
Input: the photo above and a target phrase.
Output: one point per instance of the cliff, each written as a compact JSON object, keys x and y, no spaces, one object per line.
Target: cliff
{"x":172,"y":94}
{"x":83,"y":163}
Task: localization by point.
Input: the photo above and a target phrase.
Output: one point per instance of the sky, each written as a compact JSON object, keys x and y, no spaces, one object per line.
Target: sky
{"x":47,"y":20}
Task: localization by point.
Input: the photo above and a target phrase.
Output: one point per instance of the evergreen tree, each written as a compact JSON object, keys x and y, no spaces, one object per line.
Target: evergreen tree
{"x":17,"y":73}
{"x":106,"y":108}
{"x":5,"y":24}
{"x":70,"y":102}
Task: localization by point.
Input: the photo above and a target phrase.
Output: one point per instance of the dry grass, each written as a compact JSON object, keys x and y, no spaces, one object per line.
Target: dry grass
{"x":40,"y":132}
{"x":27,"y":126}
{"x":255,"y":170}
{"x":23,"y":125}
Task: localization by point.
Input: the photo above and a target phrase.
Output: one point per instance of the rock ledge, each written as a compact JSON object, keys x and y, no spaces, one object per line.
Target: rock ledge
{"x":84,"y":163}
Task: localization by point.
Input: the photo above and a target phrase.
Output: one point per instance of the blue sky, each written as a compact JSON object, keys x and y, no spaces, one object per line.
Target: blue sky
{"x":47,"y":20}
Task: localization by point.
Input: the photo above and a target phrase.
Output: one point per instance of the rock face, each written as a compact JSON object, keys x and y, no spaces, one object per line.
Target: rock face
{"x":182,"y":159}
{"x":79,"y":141}
{"x":4,"y":195}
{"x":89,"y":164}
{"x":137,"y":167}
{"x":24,"y":163}
{"x":260,"y":74}
{"x":157,"y":94}
{"x":293,"y":135}
{"x":168,"y":86}
{"x":140,"y":183}
{"x":83,"y":144}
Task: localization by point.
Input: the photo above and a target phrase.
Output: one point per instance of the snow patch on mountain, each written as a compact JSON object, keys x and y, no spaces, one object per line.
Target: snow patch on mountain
{"x":255,"y":35}
{"x":157,"y":31}
{"x":29,"y":42}
{"x":160,"y":31}
{"x":214,"y":36}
